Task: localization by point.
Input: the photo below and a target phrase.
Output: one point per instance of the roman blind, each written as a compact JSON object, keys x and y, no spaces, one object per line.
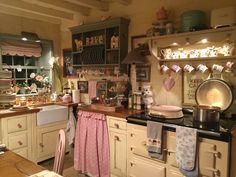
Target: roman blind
{"x":14,"y":47}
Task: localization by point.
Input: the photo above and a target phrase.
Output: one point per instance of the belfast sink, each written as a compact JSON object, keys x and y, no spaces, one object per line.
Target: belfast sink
{"x":52,"y":113}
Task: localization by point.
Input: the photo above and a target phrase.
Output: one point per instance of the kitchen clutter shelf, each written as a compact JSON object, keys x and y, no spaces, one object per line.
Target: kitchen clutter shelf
{"x":99,"y":44}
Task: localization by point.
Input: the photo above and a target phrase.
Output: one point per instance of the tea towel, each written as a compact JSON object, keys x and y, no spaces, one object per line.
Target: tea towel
{"x":186,"y":150}
{"x":154,"y":139}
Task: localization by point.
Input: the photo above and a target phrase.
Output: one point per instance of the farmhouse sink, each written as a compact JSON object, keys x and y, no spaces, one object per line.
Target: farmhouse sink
{"x":52,"y":113}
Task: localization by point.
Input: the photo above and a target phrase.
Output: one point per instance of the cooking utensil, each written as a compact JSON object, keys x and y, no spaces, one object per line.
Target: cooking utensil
{"x":214,"y":92}
{"x":207,"y":114}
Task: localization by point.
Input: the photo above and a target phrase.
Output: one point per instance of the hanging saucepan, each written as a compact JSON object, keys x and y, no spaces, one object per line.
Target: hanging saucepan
{"x":212,"y":96}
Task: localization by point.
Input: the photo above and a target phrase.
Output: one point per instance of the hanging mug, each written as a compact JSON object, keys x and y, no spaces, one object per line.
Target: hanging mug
{"x":176,"y":68}
{"x":189,"y":69}
{"x":164,"y":69}
{"x":202,"y":68}
{"x":217,"y":68}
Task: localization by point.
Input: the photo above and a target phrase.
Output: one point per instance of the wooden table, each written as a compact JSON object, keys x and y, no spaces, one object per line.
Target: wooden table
{"x":13,"y":165}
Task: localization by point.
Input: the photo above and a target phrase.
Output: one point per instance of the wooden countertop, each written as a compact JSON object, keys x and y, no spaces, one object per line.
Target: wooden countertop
{"x":13,"y":165}
{"x":34,"y":109}
{"x":122,"y":114}
{"x":8,"y":113}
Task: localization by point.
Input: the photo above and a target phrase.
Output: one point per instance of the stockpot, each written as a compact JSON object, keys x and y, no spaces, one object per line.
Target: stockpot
{"x":213,"y":96}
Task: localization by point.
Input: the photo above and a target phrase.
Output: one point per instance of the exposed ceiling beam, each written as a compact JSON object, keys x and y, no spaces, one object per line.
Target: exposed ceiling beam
{"x":33,"y":8}
{"x":124,"y":2}
{"x":104,"y":6}
{"x":64,"y":5}
{"x":21,"y":13}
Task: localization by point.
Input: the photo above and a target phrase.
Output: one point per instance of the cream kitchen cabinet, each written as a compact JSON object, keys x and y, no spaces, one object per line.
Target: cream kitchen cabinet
{"x":117,"y":141}
{"x":213,"y":155}
{"x":139,"y":162}
{"x":16,"y":133}
{"x":46,"y":138}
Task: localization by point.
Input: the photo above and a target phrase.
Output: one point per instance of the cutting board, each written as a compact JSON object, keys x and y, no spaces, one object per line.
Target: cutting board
{"x":101,"y":107}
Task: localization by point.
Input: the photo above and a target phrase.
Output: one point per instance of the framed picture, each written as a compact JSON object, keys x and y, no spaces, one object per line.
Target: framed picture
{"x":83,"y":86}
{"x":140,"y":42}
{"x":143,"y":73}
{"x":68,"y":69}
{"x":190,"y":84}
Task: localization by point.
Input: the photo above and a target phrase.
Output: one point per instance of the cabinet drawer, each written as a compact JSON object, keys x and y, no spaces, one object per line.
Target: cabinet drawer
{"x":16,"y":124}
{"x":141,"y":168}
{"x":18,"y":141}
{"x":114,"y":123}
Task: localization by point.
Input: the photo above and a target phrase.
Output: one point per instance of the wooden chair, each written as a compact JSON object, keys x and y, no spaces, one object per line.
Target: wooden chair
{"x":60,"y":153}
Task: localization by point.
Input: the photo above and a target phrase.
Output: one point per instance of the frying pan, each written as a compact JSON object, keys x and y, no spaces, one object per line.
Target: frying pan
{"x":214,"y":92}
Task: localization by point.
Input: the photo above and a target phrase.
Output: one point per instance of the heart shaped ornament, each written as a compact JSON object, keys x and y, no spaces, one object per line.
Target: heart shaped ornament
{"x":169,"y":83}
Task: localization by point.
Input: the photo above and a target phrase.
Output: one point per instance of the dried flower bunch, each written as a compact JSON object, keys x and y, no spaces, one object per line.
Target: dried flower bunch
{"x":40,"y":80}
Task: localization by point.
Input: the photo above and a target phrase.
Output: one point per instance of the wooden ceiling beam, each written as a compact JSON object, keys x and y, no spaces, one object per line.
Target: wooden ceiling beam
{"x":33,"y":8}
{"x":29,"y":15}
{"x":61,"y":4}
{"x":101,"y":5}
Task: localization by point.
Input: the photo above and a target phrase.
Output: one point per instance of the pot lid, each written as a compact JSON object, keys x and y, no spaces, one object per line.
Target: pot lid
{"x":214,"y":92}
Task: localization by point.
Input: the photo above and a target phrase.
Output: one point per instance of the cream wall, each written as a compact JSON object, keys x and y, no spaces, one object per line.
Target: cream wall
{"x":15,"y":25}
{"x":142,"y":14}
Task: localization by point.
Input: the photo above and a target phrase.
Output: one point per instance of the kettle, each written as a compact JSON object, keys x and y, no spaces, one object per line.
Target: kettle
{"x":66,"y":98}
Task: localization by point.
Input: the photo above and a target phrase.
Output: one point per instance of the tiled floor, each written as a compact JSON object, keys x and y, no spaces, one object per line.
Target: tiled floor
{"x":68,"y":171}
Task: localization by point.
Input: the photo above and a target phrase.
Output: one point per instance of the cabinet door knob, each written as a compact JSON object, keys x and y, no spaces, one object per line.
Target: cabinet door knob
{"x":116,"y":125}
{"x":131,"y":148}
{"x":20,"y":143}
{"x":131,"y":134}
{"x":41,"y":145}
{"x":144,"y":143}
{"x":215,"y":171}
{"x":19,"y":125}
{"x":117,"y":138}
{"x":132,"y":164}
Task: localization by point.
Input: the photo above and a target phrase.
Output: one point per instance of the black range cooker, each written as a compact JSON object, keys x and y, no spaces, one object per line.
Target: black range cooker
{"x":219,"y":131}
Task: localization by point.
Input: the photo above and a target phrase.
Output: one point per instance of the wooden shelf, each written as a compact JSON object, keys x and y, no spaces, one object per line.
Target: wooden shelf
{"x":93,"y":45}
{"x":93,"y":65}
{"x":115,"y":49}
{"x":199,"y":59}
{"x":77,"y":52}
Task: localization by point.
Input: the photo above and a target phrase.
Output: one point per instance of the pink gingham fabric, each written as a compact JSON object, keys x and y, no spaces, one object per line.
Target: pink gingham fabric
{"x":91,"y":155}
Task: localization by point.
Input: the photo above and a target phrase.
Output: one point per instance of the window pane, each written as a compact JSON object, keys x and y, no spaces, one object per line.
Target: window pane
{"x":30,"y":61}
{"x":21,"y":74}
{"x":7,"y":59}
{"x":18,"y":60}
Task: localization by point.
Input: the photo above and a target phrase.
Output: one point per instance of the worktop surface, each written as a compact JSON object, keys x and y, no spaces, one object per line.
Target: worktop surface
{"x":13,"y":165}
{"x":120,"y":114}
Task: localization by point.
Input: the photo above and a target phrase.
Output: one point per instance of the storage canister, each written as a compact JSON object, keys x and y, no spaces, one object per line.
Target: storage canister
{"x":193,"y":20}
